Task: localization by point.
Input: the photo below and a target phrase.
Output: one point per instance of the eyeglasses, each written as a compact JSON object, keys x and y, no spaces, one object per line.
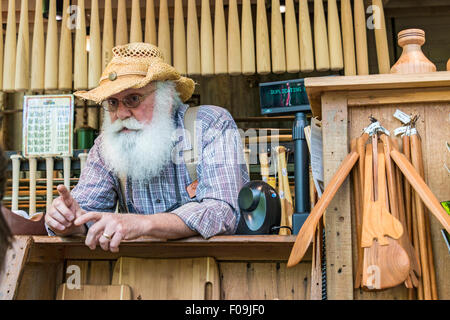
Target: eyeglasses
{"x":131,"y":101}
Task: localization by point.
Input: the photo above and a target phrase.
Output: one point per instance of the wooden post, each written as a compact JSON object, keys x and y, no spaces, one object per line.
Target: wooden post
{"x":338,"y":223}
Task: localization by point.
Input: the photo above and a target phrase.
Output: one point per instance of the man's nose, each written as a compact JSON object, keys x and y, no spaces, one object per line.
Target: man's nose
{"x":123,"y":112}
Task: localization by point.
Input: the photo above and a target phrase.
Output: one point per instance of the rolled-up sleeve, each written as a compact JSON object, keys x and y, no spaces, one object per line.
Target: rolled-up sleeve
{"x":221,"y":174}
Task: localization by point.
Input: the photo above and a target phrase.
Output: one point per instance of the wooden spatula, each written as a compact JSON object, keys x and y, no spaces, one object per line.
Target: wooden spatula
{"x":377,"y":221}
{"x":386,"y":264}
{"x":306,"y":233}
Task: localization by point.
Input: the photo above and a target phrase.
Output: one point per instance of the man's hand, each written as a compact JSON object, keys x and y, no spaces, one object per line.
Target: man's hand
{"x":63,"y":212}
{"x":110,"y":229}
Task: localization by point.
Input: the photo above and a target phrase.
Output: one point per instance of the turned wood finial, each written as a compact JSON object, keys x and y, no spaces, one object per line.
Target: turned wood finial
{"x":412,"y":59}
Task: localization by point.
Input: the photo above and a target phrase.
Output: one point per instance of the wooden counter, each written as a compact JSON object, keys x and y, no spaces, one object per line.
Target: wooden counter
{"x":344,"y":104}
{"x":250,"y":267}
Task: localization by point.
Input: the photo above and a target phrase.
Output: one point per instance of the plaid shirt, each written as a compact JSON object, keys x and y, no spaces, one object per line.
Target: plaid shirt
{"x":221,"y":172}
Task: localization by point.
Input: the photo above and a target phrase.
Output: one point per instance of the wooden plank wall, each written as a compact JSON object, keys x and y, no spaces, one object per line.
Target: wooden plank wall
{"x":433,"y":127}
{"x":239,"y":280}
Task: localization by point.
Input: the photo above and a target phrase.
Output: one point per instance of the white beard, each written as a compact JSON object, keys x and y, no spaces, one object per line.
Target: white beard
{"x":143,"y":153}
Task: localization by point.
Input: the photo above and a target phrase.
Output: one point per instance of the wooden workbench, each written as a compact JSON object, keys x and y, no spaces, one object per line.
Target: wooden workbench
{"x":344,"y":105}
{"x":250,"y":267}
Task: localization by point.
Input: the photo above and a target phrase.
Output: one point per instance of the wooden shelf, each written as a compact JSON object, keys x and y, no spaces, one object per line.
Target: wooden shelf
{"x":227,"y":248}
{"x":315,"y":87}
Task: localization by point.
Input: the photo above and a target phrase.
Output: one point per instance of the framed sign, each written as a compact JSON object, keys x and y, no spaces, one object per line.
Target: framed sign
{"x":48,"y":125}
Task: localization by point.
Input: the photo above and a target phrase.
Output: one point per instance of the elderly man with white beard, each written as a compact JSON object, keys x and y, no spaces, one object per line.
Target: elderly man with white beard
{"x":137,"y":164}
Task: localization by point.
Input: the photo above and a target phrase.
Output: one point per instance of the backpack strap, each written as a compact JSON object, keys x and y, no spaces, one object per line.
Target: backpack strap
{"x":191,"y":156}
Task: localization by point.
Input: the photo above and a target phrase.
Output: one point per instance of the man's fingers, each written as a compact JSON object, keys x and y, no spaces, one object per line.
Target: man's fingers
{"x":55,"y":214}
{"x":89,"y":216}
{"x":65,"y":194}
{"x":94,"y":233}
{"x":115,"y":241}
{"x":107,"y":234}
{"x":63,"y":210}
{"x":54,"y":225}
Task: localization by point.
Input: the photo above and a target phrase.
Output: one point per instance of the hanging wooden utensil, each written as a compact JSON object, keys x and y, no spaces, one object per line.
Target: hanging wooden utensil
{"x":306,"y":233}
{"x":397,"y":211}
{"x":421,"y":188}
{"x":358,"y":216}
{"x":423,"y":229}
{"x":386,"y":264}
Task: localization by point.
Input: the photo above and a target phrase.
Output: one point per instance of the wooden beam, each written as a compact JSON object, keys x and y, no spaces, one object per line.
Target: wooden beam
{"x":10,"y":275}
{"x":338,"y":224}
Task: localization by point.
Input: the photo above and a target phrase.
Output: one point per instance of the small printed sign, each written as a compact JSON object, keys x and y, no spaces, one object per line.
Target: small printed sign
{"x":48,"y":125}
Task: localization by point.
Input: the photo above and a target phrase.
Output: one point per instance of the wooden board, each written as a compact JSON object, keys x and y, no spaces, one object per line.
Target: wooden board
{"x":264,"y":281}
{"x":40,"y":281}
{"x":11,"y":273}
{"x":94,"y":292}
{"x":173,"y":279}
{"x":93,"y":272}
{"x":338,"y":219}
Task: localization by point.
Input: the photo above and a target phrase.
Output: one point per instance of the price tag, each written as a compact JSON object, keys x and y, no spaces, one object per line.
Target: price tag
{"x":403,"y":117}
{"x":400,"y":130}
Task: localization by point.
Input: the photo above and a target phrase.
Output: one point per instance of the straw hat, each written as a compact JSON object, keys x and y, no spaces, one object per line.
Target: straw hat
{"x":135,"y":65}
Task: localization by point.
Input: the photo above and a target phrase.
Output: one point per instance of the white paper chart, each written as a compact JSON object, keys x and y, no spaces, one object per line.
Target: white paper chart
{"x":48,"y":125}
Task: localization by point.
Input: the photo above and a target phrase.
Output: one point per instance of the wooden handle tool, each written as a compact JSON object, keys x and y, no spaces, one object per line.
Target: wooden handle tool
{"x":386,"y":264}
{"x":136,"y":24}
{"x":80,"y":59}
{"x":193,"y":42}
{"x":38,"y":56}
{"x":220,"y":40}
{"x":121,"y":23}
{"x":9,"y":69}
{"x":305,"y":38}
{"x":32,"y":161}
{"x":262,"y":39}
{"x":51,"y":50}
{"x":83,"y":158}
{"x":264,"y":166}
{"x":66,"y":171}
{"x":49,"y":177}
{"x":291,"y":36}
{"x":421,"y":188}
{"x":95,"y":52}
{"x":397,"y":210}
{"x":65,"y":51}
{"x":179,"y":39}
{"x":320,"y":38}
{"x":108,"y":35}
{"x":206,"y":40}
{"x":277,"y":39}
{"x":150,"y":25}
{"x":234,"y":40}
{"x":164,"y":32}
{"x":362,"y":60}
{"x":22,"y":82}
{"x":334,"y":37}
{"x":348,"y":39}
{"x":15,"y":160}
{"x":384,"y":65}
{"x":306,"y":233}
{"x":248,"y":41}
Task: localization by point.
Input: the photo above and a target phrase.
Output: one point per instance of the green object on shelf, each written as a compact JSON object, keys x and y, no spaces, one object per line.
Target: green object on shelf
{"x":85,"y":137}
{"x":446,"y":205}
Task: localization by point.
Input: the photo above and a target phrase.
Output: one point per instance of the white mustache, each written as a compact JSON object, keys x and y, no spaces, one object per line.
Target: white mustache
{"x":129,"y":123}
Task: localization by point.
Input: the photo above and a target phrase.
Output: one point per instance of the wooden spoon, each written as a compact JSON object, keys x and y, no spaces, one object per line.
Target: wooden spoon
{"x":398,"y":212}
{"x":386,"y":264}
